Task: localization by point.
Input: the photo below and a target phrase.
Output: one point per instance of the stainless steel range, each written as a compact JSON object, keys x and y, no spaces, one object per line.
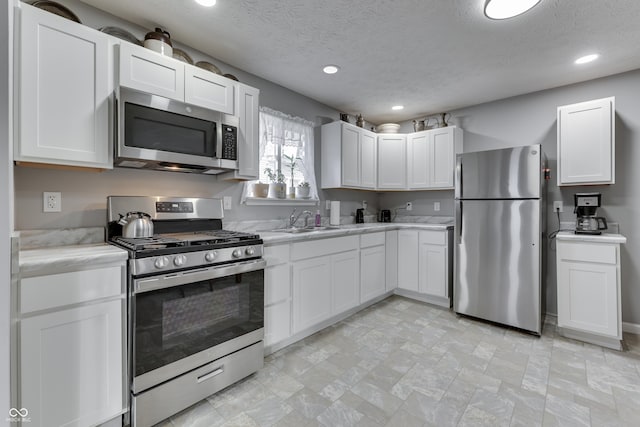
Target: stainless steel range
{"x":196,"y":303}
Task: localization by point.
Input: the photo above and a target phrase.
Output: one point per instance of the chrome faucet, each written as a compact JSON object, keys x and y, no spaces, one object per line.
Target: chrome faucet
{"x":293,"y":217}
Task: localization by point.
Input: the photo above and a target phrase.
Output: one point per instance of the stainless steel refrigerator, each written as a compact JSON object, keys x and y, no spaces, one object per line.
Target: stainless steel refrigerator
{"x":499,"y":250}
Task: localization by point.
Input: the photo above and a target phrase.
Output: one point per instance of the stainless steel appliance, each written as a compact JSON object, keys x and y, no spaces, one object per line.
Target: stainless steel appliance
{"x":499,"y":250}
{"x":196,"y":304}
{"x":384,"y":215}
{"x":586,"y":208}
{"x":165,"y":134}
{"x":359,"y":216}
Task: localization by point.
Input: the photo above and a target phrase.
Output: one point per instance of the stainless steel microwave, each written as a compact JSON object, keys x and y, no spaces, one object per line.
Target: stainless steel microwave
{"x":159,"y":133}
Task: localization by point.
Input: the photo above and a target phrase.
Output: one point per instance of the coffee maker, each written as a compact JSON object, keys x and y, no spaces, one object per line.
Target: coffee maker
{"x":586,"y":206}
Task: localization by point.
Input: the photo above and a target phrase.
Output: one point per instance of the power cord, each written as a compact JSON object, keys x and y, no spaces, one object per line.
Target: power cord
{"x":553,"y":234}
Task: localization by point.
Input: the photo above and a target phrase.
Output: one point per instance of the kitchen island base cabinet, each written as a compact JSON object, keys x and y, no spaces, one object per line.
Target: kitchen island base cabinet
{"x":589,"y":303}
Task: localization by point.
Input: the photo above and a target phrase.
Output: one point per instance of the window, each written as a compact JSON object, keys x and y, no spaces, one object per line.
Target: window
{"x":286,"y":151}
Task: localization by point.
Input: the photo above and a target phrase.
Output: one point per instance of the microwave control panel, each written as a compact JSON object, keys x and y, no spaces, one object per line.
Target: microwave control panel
{"x":229,"y":142}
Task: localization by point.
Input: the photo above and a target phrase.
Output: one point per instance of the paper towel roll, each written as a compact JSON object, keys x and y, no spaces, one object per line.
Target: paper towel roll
{"x":334,"y":219}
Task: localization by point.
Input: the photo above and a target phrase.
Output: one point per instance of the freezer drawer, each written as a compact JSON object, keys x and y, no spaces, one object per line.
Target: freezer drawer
{"x":511,"y":173}
{"x":498,"y":262}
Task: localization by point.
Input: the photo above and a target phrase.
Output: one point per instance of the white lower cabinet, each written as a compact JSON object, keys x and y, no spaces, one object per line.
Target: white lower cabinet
{"x":311,"y":292}
{"x":391,"y":260}
{"x":345,"y":286}
{"x":372,"y":266}
{"x":71,"y":347}
{"x":277,"y":295}
{"x":424,"y":265}
{"x":589,"y":303}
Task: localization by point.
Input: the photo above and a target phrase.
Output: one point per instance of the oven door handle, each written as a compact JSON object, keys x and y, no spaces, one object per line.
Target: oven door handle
{"x":176,"y":279}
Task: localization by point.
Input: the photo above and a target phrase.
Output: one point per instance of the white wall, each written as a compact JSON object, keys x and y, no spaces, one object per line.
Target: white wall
{"x":531,"y":119}
{"x":6,"y":208}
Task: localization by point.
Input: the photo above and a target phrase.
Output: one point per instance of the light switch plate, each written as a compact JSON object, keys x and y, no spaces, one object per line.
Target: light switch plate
{"x":327,"y":204}
{"x":436,"y":206}
{"x":226,"y":201}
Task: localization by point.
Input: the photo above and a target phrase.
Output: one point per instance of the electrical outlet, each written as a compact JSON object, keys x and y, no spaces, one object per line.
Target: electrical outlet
{"x":436,"y":206}
{"x":51,"y":201}
{"x":226,"y":201}
{"x":557,"y":206}
{"x":409,"y":206}
{"x":327,"y":204}
{"x":364,"y":205}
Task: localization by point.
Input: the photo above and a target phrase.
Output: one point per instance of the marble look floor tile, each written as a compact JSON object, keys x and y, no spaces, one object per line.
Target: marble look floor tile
{"x":406,"y":363}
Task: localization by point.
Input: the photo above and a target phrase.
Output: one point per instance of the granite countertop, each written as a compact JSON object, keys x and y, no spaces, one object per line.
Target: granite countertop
{"x":596,"y":238}
{"x":49,"y":260}
{"x":276,"y":237}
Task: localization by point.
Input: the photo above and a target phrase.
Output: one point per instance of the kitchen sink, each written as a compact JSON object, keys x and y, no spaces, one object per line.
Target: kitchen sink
{"x":296,"y":230}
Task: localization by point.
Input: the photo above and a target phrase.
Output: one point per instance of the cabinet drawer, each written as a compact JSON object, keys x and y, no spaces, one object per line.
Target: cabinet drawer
{"x":317,"y":248}
{"x":433,"y":237}
{"x":42,"y":292}
{"x":372,"y":239}
{"x":275,"y":255}
{"x":587,"y":252}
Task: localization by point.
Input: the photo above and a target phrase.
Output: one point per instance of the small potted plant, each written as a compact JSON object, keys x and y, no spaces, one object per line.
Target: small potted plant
{"x":260,"y":189}
{"x":303,"y":190}
{"x":277,"y":187}
{"x":292,"y":167}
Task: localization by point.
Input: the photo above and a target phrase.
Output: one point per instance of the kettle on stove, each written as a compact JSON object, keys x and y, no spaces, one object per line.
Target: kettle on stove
{"x":136,"y":225}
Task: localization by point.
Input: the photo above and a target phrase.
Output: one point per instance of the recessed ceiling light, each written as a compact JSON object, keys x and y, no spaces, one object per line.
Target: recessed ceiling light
{"x":207,"y":3}
{"x":503,"y":9}
{"x":587,"y":58}
{"x":397,"y":107}
{"x":330,"y":69}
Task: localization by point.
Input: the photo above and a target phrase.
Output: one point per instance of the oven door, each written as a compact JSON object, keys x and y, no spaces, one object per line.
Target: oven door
{"x":183,"y":320}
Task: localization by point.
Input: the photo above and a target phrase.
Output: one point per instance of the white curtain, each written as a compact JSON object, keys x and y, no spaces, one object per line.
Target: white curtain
{"x":287,"y":131}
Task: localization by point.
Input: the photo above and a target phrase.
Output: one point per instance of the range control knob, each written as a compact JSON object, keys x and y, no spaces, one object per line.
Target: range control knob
{"x":250,"y":251}
{"x":179,"y":260}
{"x":237,"y":253}
{"x":210,"y":256}
{"x":161,"y":262}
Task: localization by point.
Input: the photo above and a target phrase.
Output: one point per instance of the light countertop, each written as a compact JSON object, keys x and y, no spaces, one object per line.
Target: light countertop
{"x":595,"y":238}
{"x":277,"y":237}
{"x":49,"y":260}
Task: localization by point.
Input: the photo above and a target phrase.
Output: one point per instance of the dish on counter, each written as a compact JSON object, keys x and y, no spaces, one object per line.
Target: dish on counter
{"x":181,"y":55}
{"x":56,"y":8}
{"x":209,"y":67}
{"x":121,"y":34}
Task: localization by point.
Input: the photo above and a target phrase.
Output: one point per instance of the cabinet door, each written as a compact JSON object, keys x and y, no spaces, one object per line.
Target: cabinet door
{"x":209,"y":90}
{"x":150,"y":72}
{"x":432,"y":271}
{"x":588,"y":297}
{"x":350,"y":157}
{"x":392,"y":165}
{"x":441,"y":158}
{"x":63,"y":92}
{"x":408,"y":260}
{"x":71,"y":365}
{"x":586,"y":143}
{"x":372,"y":273}
{"x":311,"y":292}
{"x":418,"y":160}
{"x":368,"y":163}
{"x":345,"y":283}
{"x":277,"y":322}
{"x":248,"y":132}
{"x":391,"y":260}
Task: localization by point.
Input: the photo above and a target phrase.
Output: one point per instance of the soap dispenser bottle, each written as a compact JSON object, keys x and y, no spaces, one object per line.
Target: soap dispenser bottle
{"x":318,"y":218}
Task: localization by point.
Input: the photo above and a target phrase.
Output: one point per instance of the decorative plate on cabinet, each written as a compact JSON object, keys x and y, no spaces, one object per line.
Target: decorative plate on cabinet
{"x":231,"y":76}
{"x":56,"y":8}
{"x":121,"y":34}
{"x":181,"y":55}
{"x":209,"y":67}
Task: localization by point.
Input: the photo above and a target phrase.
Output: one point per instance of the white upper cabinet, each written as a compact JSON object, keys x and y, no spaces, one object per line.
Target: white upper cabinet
{"x":392,"y":159}
{"x":63,"y":91}
{"x":586,"y":143}
{"x":151,"y":72}
{"x":431,"y":158}
{"x":349,"y":156}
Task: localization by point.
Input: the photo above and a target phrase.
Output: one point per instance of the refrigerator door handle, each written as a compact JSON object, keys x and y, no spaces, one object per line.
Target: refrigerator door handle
{"x":458,"y":183}
{"x":459,"y":221}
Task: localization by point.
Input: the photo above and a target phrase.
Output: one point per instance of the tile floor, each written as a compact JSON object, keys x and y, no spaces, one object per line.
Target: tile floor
{"x":404,"y":363}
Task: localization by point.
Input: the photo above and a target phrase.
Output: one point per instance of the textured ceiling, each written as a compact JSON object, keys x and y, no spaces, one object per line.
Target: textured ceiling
{"x":428,"y":55}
